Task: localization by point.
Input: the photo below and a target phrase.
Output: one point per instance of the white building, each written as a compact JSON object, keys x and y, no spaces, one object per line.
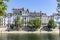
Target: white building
{"x":26,"y":15}
{"x":56,"y":18}
{"x":31,"y":15}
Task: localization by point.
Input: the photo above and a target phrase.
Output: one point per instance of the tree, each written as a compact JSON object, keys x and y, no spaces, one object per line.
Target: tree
{"x":51,"y":24}
{"x":31,"y":23}
{"x":35,"y":23}
{"x":3,"y":7}
{"x":0,"y":21}
{"x":16,"y":24}
{"x":22,"y":23}
{"x":58,"y":9}
{"x":11,"y":26}
{"x":17,"y":21}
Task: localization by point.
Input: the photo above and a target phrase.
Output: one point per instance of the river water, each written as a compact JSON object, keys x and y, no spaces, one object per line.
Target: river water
{"x":29,"y":37}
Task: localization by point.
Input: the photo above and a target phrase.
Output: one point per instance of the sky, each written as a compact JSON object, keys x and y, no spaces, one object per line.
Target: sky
{"x":46,"y":6}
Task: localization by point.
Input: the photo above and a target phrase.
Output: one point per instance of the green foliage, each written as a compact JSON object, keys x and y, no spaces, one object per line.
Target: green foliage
{"x":3,"y":7}
{"x":31,"y":23}
{"x":35,"y":23}
{"x":54,"y":26}
{"x":58,"y":7}
{"x":51,"y":24}
{"x":22,"y":23}
{"x":58,"y":0}
{"x":0,"y":21}
{"x":17,"y":21}
{"x":11,"y":26}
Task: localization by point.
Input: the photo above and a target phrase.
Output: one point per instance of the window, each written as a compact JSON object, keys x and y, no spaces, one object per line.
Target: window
{"x":20,"y":12}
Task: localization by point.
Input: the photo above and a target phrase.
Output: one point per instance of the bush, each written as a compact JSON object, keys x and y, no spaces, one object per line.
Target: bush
{"x":51,"y":24}
{"x":11,"y":26}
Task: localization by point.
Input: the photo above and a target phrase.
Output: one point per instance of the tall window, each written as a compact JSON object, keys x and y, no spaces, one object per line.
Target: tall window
{"x":20,"y":12}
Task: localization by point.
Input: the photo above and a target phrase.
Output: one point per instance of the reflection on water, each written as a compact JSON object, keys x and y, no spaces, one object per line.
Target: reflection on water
{"x":29,"y":37}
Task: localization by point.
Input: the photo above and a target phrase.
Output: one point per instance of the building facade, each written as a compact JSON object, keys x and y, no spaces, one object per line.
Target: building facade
{"x":56,"y":17}
{"x":26,"y":15}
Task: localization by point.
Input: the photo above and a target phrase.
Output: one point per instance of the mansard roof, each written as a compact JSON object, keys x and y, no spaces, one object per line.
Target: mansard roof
{"x":56,"y":14}
{"x":36,"y":14}
{"x":18,"y":9}
{"x":9,"y":14}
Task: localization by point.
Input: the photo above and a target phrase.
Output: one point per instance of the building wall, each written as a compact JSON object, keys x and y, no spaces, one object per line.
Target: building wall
{"x":31,"y":15}
{"x":26,"y":16}
{"x":57,"y":20}
{"x":56,"y":17}
{"x":45,"y":19}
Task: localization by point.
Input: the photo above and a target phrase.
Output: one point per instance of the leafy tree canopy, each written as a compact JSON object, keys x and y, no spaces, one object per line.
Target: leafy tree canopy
{"x":17,"y":21}
{"x":58,"y":6}
{"x":35,"y":23}
{"x":3,"y":7}
{"x":51,"y":24}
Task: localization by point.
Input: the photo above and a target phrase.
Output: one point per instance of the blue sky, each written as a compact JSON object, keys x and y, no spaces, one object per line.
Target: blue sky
{"x":46,"y":6}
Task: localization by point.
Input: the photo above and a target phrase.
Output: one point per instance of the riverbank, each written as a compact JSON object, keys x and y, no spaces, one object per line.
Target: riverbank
{"x":2,"y":30}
